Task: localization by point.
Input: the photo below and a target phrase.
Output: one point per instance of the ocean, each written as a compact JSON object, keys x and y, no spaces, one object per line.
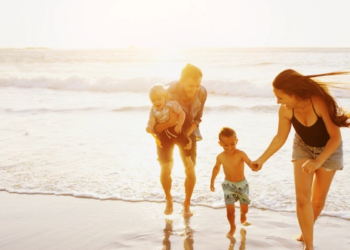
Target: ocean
{"x":73,"y":122}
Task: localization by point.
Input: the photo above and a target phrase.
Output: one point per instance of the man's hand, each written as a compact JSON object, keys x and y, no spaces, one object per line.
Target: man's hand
{"x":178,"y":128}
{"x":189,"y":144}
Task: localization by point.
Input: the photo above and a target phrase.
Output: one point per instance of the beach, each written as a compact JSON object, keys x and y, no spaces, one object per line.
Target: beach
{"x":78,"y":170}
{"x":36,"y":222}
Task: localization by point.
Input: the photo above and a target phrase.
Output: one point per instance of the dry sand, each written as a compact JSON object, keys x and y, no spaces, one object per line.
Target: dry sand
{"x":35,"y":222}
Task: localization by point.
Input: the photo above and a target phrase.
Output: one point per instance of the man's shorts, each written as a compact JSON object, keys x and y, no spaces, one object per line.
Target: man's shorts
{"x":303,"y":151}
{"x":165,"y":154}
{"x":234,"y":191}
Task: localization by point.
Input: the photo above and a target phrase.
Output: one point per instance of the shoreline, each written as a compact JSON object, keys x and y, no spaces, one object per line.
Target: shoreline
{"x":39,"y":221}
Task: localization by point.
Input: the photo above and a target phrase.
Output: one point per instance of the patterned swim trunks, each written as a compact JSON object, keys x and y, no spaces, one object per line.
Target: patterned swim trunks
{"x":234,"y":191}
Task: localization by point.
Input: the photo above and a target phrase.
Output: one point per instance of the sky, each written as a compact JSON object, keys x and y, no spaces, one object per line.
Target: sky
{"x":178,"y":23}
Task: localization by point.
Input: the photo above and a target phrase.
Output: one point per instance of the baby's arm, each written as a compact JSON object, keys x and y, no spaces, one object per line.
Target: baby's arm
{"x":150,"y":125}
{"x":246,"y":159}
{"x":215,"y":172}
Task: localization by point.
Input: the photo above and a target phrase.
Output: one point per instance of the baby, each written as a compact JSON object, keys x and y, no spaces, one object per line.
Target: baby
{"x":161,"y":111}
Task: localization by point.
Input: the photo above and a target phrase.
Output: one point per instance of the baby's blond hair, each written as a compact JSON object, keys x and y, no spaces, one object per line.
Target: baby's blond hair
{"x":158,"y":90}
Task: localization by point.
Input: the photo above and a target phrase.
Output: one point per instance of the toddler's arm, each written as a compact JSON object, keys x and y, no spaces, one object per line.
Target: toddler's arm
{"x":216,"y":170}
{"x":159,"y":127}
{"x":246,"y":159}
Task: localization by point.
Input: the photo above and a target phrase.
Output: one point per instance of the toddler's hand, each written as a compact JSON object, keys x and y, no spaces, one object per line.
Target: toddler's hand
{"x":178,"y":128}
{"x":148,"y":130}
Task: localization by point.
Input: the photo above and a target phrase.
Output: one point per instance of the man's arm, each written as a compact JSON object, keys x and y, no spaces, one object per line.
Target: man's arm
{"x":203,"y":98}
{"x":198,"y":118}
{"x":160,"y":127}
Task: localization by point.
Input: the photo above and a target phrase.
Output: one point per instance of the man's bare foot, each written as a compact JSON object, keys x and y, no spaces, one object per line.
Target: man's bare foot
{"x":187,"y":211}
{"x":169,"y":207}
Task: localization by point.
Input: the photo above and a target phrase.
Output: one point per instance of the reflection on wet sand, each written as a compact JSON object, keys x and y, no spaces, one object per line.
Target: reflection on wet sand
{"x":243,"y":233}
{"x":187,"y":234}
{"x":168,"y":230}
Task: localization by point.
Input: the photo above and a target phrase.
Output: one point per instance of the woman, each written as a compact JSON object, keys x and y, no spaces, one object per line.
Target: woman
{"x":317,"y":148}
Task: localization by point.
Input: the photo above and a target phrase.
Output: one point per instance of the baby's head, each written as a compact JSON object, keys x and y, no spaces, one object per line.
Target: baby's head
{"x":158,"y":96}
{"x":228,"y":139}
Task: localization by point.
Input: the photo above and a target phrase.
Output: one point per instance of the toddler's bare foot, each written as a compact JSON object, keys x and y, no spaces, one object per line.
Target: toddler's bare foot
{"x":169,"y":207}
{"x":246,"y":223}
{"x":230,"y":234}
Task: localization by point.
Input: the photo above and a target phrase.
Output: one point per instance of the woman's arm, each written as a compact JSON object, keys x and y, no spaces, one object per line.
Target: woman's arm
{"x":284,"y":125}
{"x":334,"y":134}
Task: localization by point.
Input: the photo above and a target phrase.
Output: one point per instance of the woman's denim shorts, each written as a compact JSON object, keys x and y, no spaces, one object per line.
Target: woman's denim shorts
{"x":303,"y":151}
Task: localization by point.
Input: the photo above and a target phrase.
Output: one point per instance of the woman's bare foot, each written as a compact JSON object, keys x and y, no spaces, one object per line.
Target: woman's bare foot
{"x":169,"y":207}
{"x":300,"y":238}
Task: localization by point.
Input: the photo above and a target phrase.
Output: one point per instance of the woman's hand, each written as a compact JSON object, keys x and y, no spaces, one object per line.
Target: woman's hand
{"x":310,"y":166}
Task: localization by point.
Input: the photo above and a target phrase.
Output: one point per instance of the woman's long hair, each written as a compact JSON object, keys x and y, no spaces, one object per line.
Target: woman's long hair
{"x":303,"y":87}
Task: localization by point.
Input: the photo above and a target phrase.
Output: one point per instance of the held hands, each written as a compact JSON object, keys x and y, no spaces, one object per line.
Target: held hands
{"x":256,"y":165}
{"x":310,"y":166}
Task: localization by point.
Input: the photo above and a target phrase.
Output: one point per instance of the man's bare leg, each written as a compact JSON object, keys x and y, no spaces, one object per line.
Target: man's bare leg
{"x":230,"y":209}
{"x":166,"y":181}
{"x":190,"y":182}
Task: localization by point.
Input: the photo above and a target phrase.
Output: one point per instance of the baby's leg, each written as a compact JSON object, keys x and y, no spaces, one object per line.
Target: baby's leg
{"x":230,"y":208}
{"x":244,"y":211}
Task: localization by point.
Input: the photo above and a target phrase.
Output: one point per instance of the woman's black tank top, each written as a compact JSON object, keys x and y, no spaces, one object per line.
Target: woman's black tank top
{"x":315,"y":135}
